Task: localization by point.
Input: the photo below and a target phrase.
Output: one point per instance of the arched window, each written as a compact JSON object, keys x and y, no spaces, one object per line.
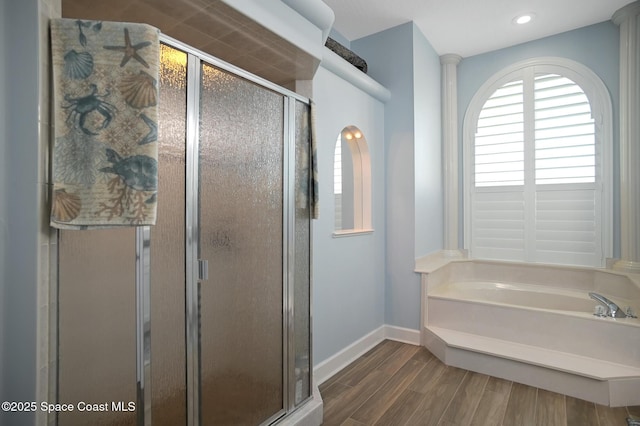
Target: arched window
{"x":352,"y":183}
{"x":537,"y":141}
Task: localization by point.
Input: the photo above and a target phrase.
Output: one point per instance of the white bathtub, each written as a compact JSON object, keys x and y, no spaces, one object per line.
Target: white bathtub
{"x":528,"y":296}
{"x":534,"y":324}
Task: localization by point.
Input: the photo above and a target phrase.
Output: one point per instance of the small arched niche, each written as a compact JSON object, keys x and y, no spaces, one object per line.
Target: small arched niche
{"x":352,"y":183}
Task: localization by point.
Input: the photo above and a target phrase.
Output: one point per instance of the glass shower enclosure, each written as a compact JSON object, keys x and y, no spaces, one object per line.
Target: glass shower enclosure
{"x":203,"y":318}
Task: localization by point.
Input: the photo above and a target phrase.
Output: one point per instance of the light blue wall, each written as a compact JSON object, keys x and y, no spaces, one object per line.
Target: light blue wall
{"x":4,"y":229}
{"x":428,"y":147}
{"x":389,"y":55}
{"x":596,"y":46}
{"x":412,"y":137}
{"x":348,"y":272}
{"x":20,"y":202}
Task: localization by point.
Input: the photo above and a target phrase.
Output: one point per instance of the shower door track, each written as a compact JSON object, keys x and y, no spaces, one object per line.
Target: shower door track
{"x":193,"y":279}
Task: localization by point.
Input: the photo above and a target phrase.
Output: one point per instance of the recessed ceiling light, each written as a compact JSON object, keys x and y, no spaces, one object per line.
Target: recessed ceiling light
{"x":525,"y":18}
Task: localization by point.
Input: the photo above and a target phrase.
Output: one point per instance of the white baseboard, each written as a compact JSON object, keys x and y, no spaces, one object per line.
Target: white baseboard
{"x":337,"y":362}
{"x":401,"y":334}
{"x":346,"y":356}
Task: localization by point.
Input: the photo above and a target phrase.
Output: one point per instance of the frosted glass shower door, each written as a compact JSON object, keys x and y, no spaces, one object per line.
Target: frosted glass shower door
{"x":241,"y":167}
{"x":97,"y":324}
{"x":138,"y":319}
{"x":168,"y":248}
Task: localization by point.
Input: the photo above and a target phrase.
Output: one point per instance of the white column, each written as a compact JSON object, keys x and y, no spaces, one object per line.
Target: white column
{"x":627,"y":19}
{"x":449,"y":78}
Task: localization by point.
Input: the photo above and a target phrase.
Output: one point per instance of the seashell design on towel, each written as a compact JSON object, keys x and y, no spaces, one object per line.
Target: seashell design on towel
{"x":78,"y":65}
{"x":76,"y":158}
{"x":65,"y":206}
{"x":139,"y":90}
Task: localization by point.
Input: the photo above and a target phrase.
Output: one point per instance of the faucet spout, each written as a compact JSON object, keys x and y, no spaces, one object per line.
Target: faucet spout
{"x":613,"y":310}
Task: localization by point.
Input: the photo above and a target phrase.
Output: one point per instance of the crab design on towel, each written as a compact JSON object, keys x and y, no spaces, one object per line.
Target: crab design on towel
{"x":81,"y":107}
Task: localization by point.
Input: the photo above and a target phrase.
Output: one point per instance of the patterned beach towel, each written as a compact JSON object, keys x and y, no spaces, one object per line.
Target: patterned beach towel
{"x":307,"y":196}
{"x":315,"y":190}
{"x":105,"y":151}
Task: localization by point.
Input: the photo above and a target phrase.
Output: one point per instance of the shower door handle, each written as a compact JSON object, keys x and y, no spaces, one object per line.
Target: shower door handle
{"x":203,"y":270}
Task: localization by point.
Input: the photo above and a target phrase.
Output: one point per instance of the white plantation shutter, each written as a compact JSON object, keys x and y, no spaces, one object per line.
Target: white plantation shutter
{"x":564,"y":132}
{"x":498,"y":225}
{"x":499,"y":142}
{"x":535,"y":192}
{"x":567,"y":227}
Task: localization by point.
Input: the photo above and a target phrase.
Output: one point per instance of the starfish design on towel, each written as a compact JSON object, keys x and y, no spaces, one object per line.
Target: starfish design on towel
{"x":152,"y":136}
{"x":130,"y":50}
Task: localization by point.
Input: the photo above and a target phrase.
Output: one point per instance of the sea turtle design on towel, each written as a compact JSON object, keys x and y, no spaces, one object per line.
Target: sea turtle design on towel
{"x":139,"y":172}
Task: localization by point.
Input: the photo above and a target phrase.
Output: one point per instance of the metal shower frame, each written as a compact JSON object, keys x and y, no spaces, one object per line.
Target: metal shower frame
{"x":193,"y":277}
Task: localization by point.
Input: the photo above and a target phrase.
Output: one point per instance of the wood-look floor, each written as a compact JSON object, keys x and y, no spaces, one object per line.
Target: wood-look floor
{"x":400,"y":384}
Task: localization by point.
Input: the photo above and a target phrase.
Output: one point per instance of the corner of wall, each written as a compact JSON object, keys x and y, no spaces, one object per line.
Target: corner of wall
{"x":3,"y":191}
{"x":47,"y":242}
{"x":429,"y":199}
{"x":26,"y":283}
{"x":48,"y":343}
{"x":20,"y":278}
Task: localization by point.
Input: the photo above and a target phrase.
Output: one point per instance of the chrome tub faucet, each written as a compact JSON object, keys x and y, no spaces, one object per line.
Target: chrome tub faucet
{"x":613,"y":310}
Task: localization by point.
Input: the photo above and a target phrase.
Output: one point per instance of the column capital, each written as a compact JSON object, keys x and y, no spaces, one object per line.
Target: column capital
{"x":450,"y":58}
{"x":626,"y":12}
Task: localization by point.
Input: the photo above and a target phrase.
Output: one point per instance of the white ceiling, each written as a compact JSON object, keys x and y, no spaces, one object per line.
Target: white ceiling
{"x":470,"y":27}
